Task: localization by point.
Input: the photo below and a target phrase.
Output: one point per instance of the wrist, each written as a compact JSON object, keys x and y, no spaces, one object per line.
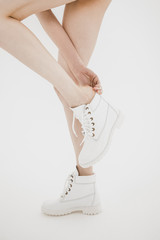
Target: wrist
{"x":76,"y":65}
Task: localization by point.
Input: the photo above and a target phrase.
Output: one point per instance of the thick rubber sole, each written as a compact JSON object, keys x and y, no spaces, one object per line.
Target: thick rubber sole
{"x":117,"y":124}
{"x":90,"y":210}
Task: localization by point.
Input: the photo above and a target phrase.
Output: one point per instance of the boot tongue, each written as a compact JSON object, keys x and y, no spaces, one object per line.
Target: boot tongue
{"x":93,"y":104}
{"x":78,"y":111}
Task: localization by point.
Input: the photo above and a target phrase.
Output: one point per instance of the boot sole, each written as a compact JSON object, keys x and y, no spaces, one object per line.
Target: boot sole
{"x":90,"y":210}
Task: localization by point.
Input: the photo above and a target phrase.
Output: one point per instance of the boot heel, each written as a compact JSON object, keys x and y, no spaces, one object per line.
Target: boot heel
{"x":92,"y":210}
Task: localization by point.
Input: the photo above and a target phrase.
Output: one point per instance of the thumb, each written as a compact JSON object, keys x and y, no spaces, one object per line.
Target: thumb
{"x":89,"y":73}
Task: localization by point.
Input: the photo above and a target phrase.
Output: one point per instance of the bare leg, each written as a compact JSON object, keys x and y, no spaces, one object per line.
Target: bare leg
{"x":82,"y":20}
{"x":19,"y":41}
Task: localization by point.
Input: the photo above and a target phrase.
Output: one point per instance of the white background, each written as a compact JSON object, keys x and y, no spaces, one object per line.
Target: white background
{"x":36,"y":153}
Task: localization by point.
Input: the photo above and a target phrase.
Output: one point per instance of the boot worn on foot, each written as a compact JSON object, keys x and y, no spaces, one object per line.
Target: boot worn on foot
{"x":98,"y":119}
{"x":79,"y":194}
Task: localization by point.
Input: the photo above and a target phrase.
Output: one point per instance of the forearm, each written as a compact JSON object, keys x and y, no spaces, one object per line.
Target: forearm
{"x":56,"y":32}
{"x":58,"y":35}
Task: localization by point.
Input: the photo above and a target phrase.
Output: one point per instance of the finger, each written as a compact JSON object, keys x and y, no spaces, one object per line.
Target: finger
{"x":98,"y":92}
{"x":92,"y":76}
{"x":98,"y":86}
{"x":95,"y":81}
{"x":98,"y":89}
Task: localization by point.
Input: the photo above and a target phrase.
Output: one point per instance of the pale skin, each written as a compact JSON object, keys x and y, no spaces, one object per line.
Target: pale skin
{"x":73,"y":82}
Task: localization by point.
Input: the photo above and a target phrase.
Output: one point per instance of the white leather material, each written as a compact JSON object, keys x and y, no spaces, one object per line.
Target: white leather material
{"x":95,"y":102}
{"x":100,"y":117}
{"x":104,"y":118}
{"x":92,"y":148}
{"x":80,"y":190}
{"x":59,"y":207}
{"x":83,"y":196}
{"x":84,"y":179}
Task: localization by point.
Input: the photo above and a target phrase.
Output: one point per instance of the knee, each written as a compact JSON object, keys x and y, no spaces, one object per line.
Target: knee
{"x":4,"y":20}
{"x":103,"y":3}
{"x":2,"y":29}
{"x":2,"y":23}
{"x":99,"y":3}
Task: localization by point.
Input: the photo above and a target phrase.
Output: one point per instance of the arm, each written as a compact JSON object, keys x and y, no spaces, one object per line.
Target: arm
{"x":58,"y":35}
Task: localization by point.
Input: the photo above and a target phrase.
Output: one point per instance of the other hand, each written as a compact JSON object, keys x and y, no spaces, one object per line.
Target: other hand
{"x":86,"y":76}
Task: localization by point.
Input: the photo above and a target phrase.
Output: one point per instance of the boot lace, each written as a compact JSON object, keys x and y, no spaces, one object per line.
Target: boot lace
{"x":87,"y":121}
{"x":67,"y":185}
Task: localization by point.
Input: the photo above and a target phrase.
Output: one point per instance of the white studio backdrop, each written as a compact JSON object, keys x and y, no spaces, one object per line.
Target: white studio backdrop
{"x":36,"y":153}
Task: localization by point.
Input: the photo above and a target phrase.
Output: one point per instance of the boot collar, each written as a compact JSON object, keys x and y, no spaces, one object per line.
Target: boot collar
{"x":83,"y":179}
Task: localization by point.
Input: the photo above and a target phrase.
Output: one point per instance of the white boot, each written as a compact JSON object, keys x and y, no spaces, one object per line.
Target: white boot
{"x":80,"y":194}
{"x":98,"y":119}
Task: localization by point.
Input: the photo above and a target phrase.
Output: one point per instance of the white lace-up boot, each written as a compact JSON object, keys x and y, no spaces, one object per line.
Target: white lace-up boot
{"x":98,"y":119}
{"x":79,"y":194}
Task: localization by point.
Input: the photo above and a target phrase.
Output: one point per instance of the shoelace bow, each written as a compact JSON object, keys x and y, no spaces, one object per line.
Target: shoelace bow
{"x":87,"y":123}
{"x":67,"y":185}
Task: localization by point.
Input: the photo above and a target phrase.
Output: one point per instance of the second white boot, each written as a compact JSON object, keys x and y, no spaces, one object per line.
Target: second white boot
{"x":79,"y":194}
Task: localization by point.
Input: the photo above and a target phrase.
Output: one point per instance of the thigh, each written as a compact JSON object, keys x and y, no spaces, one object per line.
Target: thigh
{"x":20,"y":9}
{"x":82,"y":20}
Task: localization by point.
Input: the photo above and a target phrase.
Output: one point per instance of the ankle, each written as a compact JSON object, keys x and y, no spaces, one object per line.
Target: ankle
{"x":89,"y":94}
{"x":84,"y":171}
{"x":86,"y":94}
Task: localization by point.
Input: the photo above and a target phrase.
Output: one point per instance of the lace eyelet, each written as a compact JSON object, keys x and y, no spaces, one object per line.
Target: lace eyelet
{"x":91,"y":118}
{"x":93,"y":123}
{"x":93,"y":129}
{"x":87,"y":108}
{"x":93,"y":134}
{"x":66,"y":193}
{"x":69,"y":189}
{"x":89,"y":112}
{"x":71,"y":185}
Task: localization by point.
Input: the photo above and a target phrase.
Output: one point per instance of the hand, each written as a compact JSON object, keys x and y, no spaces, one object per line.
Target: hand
{"x":85,"y":76}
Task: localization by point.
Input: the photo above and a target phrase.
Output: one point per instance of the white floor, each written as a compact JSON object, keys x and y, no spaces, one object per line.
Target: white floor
{"x":36,"y":153}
